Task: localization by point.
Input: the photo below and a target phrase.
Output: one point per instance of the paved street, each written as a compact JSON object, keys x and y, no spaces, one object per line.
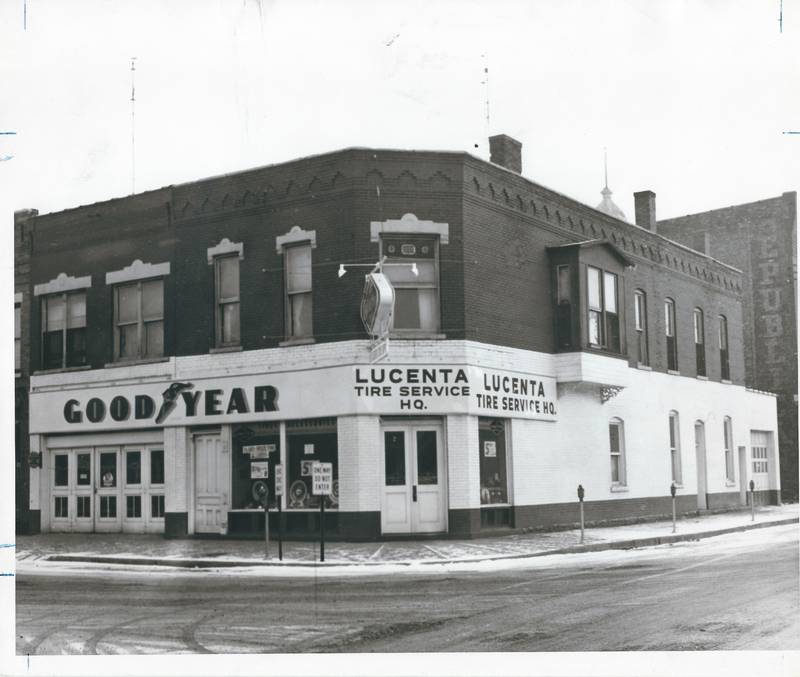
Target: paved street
{"x":738,"y":591}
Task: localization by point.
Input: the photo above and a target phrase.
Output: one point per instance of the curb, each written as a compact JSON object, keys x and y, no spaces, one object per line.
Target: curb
{"x":629,"y":544}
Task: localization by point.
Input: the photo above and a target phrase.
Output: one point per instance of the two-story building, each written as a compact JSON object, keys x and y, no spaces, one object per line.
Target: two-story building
{"x":187,"y":344}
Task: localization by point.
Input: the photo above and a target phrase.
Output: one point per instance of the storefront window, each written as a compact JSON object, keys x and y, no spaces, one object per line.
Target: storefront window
{"x":492,"y":451}
{"x":133,"y":469}
{"x":84,"y":469}
{"x":62,"y":470}
{"x":309,"y":441}
{"x":256,"y":452}
{"x":157,"y":466}
{"x":427,"y":471}
{"x":395,"y":457}
{"x":108,"y":469}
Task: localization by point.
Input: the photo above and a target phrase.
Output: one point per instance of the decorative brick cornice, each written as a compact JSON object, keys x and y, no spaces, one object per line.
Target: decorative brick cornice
{"x":61,"y":284}
{"x":137,"y":271}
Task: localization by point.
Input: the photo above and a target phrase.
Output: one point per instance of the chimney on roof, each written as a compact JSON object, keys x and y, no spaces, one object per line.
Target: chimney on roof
{"x":645,"y":205}
{"x":506,"y":152}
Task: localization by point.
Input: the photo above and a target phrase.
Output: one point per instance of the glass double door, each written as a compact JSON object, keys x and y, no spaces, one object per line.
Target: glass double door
{"x":107,"y":489}
{"x":414,"y":479}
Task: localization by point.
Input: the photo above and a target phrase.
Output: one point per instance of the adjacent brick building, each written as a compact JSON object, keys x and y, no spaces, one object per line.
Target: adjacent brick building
{"x":760,"y":239}
{"x":187,"y":342}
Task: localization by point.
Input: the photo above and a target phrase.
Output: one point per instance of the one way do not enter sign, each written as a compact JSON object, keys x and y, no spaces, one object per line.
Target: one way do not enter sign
{"x":322,"y":479}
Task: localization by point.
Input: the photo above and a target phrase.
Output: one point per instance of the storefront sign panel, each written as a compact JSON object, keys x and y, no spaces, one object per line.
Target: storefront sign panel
{"x":332,"y":391}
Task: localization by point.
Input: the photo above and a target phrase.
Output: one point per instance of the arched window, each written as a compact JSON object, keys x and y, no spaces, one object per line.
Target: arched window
{"x":725,"y":370}
{"x":675,"y":447}
{"x":616,"y":439}
{"x":671,"y":335}
{"x":727,"y":434}
{"x":699,"y":341}
{"x":640,"y":317}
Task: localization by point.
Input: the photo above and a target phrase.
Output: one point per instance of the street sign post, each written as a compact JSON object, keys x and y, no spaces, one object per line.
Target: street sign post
{"x":580,"y":498}
{"x":279,"y":501}
{"x":672,"y":490}
{"x":322,"y":486}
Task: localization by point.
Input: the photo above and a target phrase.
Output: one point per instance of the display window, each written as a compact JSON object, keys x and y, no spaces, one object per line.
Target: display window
{"x":309,"y":441}
{"x":256,"y":452}
{"x":492,"y":454}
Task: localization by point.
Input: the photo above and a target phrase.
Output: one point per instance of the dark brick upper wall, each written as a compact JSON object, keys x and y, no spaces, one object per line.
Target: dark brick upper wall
{"x":494,"y":272}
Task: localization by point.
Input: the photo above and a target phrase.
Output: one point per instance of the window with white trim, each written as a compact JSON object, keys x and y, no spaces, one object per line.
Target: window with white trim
{"x":226,"y":300}
{"x":416,"y":296}
{"x":139,"y":320}
{"x":616,"y":440}
{"x":760,"y":463}
{"x":603,"y":312}
{"x":671,"y":336}
{"x":63,"y":330}
{"x":699,"y":341}
{"x":675,"y":447}
{"x":640,"y":317}
{"x":297,"y":266}
{"x":725,"y":369}
{"x":727,"y":434}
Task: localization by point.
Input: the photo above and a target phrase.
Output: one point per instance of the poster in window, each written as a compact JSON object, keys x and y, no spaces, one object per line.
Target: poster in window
{"x":490,"y":449}
{"x":308,"y":449}
{"x":259,"y":470}
{"x":306,"y":468}
{"x":258,"y":451}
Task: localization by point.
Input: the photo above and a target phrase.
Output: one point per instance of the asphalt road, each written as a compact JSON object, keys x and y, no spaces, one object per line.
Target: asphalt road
{"x":733,"y":592}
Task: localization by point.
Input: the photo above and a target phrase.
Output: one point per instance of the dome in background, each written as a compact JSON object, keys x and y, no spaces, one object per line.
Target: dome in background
{"x":608,"y":206}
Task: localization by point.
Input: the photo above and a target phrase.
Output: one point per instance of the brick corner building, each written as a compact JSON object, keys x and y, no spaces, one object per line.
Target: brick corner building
{"x":193,"y":352}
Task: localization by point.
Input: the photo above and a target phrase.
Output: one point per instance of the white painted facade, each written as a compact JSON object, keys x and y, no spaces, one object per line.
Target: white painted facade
{"x":547,"y":454}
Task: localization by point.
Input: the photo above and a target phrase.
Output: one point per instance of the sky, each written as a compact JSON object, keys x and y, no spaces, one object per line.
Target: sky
{"x":691,"y":99}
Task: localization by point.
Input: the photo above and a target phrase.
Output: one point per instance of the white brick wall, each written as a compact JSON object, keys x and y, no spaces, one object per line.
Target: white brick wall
{"x":177,"y":477}
{"x":463,"y":469}
{"x":360,"y":463}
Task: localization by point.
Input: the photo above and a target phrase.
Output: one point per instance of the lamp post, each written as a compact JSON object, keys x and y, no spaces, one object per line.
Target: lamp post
{"x":580,"y":500}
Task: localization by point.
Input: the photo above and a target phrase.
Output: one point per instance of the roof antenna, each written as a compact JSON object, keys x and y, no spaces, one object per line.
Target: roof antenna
{"x":133,"y":126}
{"x":485,"y":82}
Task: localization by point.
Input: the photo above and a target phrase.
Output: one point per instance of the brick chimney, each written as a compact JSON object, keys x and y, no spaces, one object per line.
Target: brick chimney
{"x":645,"y":205}
{"x":506,"y":152}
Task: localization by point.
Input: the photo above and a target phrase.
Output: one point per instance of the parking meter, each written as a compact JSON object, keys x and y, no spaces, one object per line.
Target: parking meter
{"x":580,"y":492}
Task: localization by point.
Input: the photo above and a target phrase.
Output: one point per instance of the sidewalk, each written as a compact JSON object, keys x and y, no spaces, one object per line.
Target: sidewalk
{"x":152,"y":549}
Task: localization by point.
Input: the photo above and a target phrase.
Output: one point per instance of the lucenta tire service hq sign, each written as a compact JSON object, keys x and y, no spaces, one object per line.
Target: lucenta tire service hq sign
{"x":333,"y":391}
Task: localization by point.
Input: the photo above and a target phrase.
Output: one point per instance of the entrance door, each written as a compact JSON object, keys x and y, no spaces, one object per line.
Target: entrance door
{"x":700,"y":454}
{"x":414,"y":484}
{"x":107,"y":505}
{"x":72,"y":490}
{"x":212,"y":482}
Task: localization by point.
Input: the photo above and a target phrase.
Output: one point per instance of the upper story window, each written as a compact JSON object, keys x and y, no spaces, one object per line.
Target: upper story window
{"x":226,"y":292}
{"x":671,"y":335}
{"x":138,"y":310}
{"x":295,"y":247}
{"x":727,"y":435}
{"x":602,"y":302}
{"x":410,"y":240}
{"x":139,"y":320}
{"x":563,"y":306}
{"x":17,"y":335}
{"x":62,"y":304}
{"x":616,"y":439}
{"x":725,"y":370}
{"x":699,"y":341}
{"x":675,"y":446}
{"x":63,"y":330}
{"x":640,"y":319}
{"x":416,"y":297}
{"x":225,"y":258}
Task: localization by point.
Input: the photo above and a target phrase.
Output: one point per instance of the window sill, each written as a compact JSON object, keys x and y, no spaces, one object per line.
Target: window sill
{"x":62,"y":370}
{"x":701,"y":378}
{"x":730,"y":483}
{"x":726,"y":381}
{"x":411,"y":334}
{"x":618,"y":488}
{"x":225,"y":349}
{"x":678,"y":486}
{"x":129,"y":363}
{"x":645,"y":367}
{"x":673,"y":372}
{"x":297,"y":342}
{"x":485,"y":506}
